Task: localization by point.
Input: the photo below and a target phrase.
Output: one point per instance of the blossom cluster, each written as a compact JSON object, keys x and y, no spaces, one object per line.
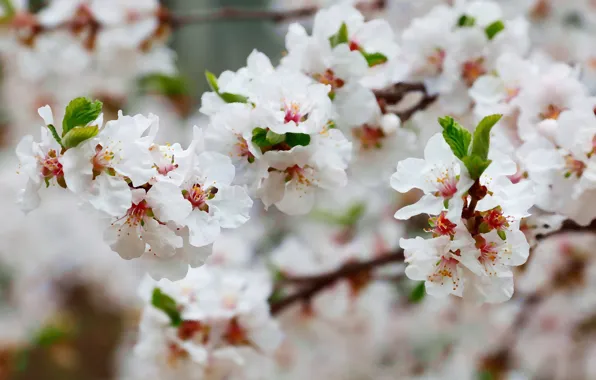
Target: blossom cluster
{"x":162,"y":201}
{"x":214,"y":323}
{"x":475,"y":213}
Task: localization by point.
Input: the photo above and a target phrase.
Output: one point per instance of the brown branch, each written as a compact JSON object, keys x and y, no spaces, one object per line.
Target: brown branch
{"x":312,"y":285}
{"x":424,"y":103}
{"x":569,"y":226}
{"x":393,"y":95}
{"x":244,"y":14}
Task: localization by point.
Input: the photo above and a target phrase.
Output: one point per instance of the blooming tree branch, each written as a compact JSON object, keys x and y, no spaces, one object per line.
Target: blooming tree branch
{"x":310,"y":286}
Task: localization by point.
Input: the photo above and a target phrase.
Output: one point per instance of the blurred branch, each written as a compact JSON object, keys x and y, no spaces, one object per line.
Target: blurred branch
{"x":312,"y":285}
{"x":570,"y":226}
{"x":393,"y":95}
{"x":244,"y":14}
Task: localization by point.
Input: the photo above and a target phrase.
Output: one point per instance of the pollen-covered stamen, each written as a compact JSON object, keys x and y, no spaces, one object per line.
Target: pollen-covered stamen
{"x":102,"y":159}
{"x":489,"y":256}
{"x":446,"y":270}
{"x":437,"y":59}
{"x":551,"y":112}
{"x":293,"y":113}
{"x":511,"y":93}
{"x":243,"y":151}
{"x":573,"y":167}
{"x":472,"y":70}
{"x":298,"y":174}
{"x":369,"y":137}
{"x":51,"y":166}
{"x":175,"y":353}
{"x":440,"y":225}
{"x":494,"y":219}
{"x":198,"y":196}
{"x":329,"y":78}
{"x":236,"y":335}
{"x":445,"y":182}
{"x":136,"y":214}
{"x":194,"y":330}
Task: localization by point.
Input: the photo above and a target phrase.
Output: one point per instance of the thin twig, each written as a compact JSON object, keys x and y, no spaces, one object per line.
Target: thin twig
{"x":316,"y":284}
{"x":244,"y":14}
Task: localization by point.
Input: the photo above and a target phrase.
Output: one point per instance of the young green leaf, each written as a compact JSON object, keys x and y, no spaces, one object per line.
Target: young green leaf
{"x":502,"y":234}
{"x":481,"y":143}
{"x":341,"y":37}
{"x":233,"y":98}
{"x":166,"y":304}
{"x":457,"y":137}
{"x":374,"y":59}
{"x":79,"y":113}
{"x":418,"y":293}
{"x":55,"y":134}
{"x":466,"y":21}
{"x":259,"y":137}
{"x":493,"y":29}
{"x":274,"y":138}
{"x":8,"y":8}
{"x":169,"y":85}
{"x":226,"y":96}
{"x":212,"y":81}
{"x":476,"y":166}
{"x":50,"y":335}
{"x":79,"y":134}
{"x":294,"y":139}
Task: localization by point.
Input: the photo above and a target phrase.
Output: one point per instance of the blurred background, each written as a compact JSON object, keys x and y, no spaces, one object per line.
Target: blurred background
{"x":69,"y":308}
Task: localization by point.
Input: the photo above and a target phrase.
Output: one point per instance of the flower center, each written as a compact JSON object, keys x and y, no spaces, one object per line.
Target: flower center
{"x":354,"y":46}
{"x":446,"y":184}
{"x":472,"y":70}
{"x":574,"y":166}
{"x":440,"y":225}
{"x":369,"y":137}
{"x":436,"y":60}
{"x":51,"y":167}
{"x":243,"y":150}
{"x":297,"y":173}
{"x":552,"y":112}
{"x":329,"y":78}
{"x":293,"y":113}
{"x":446,"y":267}
{"x":136,"y":213}
{"x":198,"y":197}
{"x":495,"y":220}
{"x":236,"y":335}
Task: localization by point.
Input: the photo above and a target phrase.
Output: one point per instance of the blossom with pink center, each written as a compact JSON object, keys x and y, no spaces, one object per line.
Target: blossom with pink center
{"x":441,"y":175}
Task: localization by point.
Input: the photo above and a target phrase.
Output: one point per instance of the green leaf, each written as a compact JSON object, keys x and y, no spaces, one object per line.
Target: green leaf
{"x":274,"y":138}
{"x":226,"y":96}
{"x":212,"y":81}
{"x":457,"y":137}
{"x":55,"y":134}
{"x":481,"y":143}
{"x":418,"y":293}
{"x":79,"y":134}
{"x":79,"y":113}
{"x":259,"y":137}
{"x":502,"y":234}
{"x":354,"y":214}
{"x":466,"y":21}
{"x":341,"y":37}
{"x":50,"y":335}
{"x":233,"y":98}
{"x":164,"y":84}
{"x":294,"y":139}
{"x":374,"y":59}
{"x":484,"y":375}
{"x":166,"y":304}
{"x":493,"y":29}
{"x":476,"y":166}
{"x":9,"y":9}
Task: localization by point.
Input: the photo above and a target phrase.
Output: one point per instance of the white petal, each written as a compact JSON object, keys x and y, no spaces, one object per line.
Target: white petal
{"x":46,"y":114}
{"x":203,"y":228}
{"x":428,"y":204}
{"x":167,"y":202}
{"x":231,"y":206}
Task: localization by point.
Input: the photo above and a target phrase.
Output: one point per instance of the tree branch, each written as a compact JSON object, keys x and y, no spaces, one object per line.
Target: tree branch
{"x":311,"y":285}
{"x":396,"y":93}
{"x":244,"y":14}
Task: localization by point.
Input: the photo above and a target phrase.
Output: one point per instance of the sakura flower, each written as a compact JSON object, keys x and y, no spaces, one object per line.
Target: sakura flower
{"x":441,"y":175}
{"x":98,"y":168}
{"x":40,"y":162}
{"x":437,"y":262}
{"x":144,"y":223}
{"x":215,"y":202}
{"x":296,"y":174}
{"x":291,"y":102}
